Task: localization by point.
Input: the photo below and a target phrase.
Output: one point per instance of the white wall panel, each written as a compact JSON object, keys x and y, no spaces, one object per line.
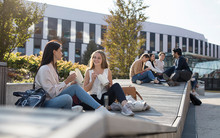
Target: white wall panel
{"x":180,"y":43}
{"x":73,"y":32}
{"x":98,"y":34}
{"x":59,"y":28}
{"x":30,"y":46}
{"x":72,"y":52}
{"x":45,"y":28}
{"x":173,"y":43}
{"x":157,"y":42}
{"x":148,"y":41}
{"x":43,"y":44}
{"x":165,"y":44}
{"x":85,"y":33}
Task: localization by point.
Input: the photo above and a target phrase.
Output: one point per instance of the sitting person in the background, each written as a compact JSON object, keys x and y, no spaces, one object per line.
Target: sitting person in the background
{"x":194,"y":83}
{"x":159,"y":63}
{"x":140,"y":75}
{"x":151,"y":64}
{"x":180,"y":72}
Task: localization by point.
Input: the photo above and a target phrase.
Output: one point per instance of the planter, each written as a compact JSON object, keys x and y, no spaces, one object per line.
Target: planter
{"x":3,"y":81}
{"x":212,"y":84}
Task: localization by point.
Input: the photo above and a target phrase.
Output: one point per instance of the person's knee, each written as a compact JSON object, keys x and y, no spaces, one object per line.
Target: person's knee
{"x":66,"y":98}
{"x":116,"y":85}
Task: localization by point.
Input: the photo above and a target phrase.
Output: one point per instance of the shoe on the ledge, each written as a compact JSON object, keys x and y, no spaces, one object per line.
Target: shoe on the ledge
{"x":103,"y":110}
{"x":172,"y":83}
{"x":138,"y":82}
{"x":116,"y":106}
{"x":126,"y":110}
{"x":77,"y":108}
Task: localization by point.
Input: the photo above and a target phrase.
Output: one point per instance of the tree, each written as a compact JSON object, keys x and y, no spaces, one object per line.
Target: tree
{"x":92,"y":46}
{"x":16,"y":17}
{"x":121,"y":41}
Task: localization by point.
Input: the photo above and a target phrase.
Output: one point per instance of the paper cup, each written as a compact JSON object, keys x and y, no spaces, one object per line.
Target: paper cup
{"x":103,"y":79}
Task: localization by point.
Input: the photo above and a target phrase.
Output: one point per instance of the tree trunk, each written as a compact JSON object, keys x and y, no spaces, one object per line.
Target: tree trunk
{"x":3,"y":81}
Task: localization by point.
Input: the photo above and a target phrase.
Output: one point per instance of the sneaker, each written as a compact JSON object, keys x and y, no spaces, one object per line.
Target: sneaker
{"x":138,"y":82}
{"x":103,"y":110}
{"x":77,"y":108}
{"x":165,"y":77}
{"x":115,"y":106}
{"x":126,"y":110}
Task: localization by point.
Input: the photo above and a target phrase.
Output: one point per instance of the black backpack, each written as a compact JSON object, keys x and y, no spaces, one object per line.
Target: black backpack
{"x":31,"y":98}
{"x":195,"y":100}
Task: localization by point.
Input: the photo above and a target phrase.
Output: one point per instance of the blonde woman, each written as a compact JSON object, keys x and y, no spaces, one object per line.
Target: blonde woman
{"x":99,"y":65}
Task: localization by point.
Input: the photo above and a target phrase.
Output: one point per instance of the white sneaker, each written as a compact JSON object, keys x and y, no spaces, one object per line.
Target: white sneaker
{"x":115,"y":106}
{"x":138,"y":82}
{"x":77,"y":108}
{"x":103,"y":110}
{"x":126,"y":110}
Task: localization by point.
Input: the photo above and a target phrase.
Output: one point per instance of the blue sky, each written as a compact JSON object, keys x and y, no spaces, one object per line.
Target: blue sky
{"x":202,"y":16}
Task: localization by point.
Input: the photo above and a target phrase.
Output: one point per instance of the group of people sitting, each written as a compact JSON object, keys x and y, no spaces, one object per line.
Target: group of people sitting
{"x":147,"y":69}
{"x":144,"y":70}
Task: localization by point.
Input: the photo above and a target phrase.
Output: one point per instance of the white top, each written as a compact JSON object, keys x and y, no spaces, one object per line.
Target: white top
{"x":159,"y":65}
{"x":148,"y":63}
{"x":47,"y":78}
{"x":97,"y":87}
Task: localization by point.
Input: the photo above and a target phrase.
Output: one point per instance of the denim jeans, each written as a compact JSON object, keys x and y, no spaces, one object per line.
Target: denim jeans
{"x":64,"y":99}
{"x":146,"y":77}
{"x":114,"y":92}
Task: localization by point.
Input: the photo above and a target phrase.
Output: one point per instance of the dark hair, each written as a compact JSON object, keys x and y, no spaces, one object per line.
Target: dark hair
{"x":152,"y":63}
{"x":178,"y":51}
{"x":144,"y":55}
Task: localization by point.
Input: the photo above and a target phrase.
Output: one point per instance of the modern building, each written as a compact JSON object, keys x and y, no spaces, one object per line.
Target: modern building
{"x":77,"y":28}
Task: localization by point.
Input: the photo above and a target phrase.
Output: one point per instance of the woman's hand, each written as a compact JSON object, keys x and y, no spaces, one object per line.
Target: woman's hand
{"x":70,"y":78}
{"x":94,"y":76}
{"x":147,"y":69}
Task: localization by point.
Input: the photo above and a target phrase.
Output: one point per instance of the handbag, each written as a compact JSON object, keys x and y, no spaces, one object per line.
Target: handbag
{"x":31,"y":98}
{"x":132,"y":91}
{"x":195,"y":100}
{"x":137,"y":106}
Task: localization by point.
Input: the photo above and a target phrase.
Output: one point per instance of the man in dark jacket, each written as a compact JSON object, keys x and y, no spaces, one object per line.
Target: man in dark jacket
{"x":180,"y":72}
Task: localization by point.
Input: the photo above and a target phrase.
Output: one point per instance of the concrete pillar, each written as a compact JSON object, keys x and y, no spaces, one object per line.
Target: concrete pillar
{"x":85,"y":33}
{"x":216,"y":51}
{"x":173,"y":42}
{"x":59,"y":28}
{"x":98,"y":34}
{"x":193,"y":45}
{"x":157,"y":42}
{"x":45,"y":28}
{"x":180,"y":43}
{"x":199,"y":50}
{"x":43,"y":44}
{"x":83,"y":49}
{"x":187,"y":44}
{"x":73,"y":33}
{"x":72,"y":52}
{"x":30,"y":47}
{"x":211,"y":50}
{"x":204,"y":48}
{"x":148,"y":41}
{"x":165,"y":44}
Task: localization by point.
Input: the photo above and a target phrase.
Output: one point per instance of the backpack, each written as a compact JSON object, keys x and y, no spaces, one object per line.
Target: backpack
{"x":31,"y":98}
{"x":195,"y":100}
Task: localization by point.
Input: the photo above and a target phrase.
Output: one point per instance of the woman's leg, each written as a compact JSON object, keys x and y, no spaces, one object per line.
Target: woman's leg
{"x":87,"y":107}
{"x":83,"y":96}
{"x":146,"y":77}
{"x":62,"y":101}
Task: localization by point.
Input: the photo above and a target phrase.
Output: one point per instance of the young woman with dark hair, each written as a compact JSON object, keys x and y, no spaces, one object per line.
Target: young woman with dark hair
{"x":59,"y":95}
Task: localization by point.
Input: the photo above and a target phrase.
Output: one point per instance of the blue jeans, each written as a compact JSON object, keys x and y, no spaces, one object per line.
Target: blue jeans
{"x":64,"y":99}
{"x":145,"y":77}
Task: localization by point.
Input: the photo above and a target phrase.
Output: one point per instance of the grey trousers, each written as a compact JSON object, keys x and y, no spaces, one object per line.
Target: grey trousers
{"x":180,"y":75}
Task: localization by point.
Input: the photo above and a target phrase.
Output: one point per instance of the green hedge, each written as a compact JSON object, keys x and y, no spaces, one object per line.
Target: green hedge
{"x":24,"y":68}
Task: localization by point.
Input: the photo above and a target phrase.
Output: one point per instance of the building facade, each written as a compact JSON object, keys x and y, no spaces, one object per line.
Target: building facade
{"x":76,"y":28}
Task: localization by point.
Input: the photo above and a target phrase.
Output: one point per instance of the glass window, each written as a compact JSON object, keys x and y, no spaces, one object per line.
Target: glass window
{"x":169,"y":43}
{"x":143,"y":35}
{"x":190,"y":45}
{"x":78,"y":52}
{"x":161,"y":42}
{"x":213,"y":50}
{"x":196,"y":46}
{"x":206,"y":48}
{"x":103,"y":31}
{"x":184,"y":44}
{"x":92,"y":32}
{"x":52,"y":28}
{"x":201,"y":47}
{"x":210,"y":50}
{"x":217,"y":51}
{"x":177,"y":45}
{"x":65,"y":50}
{"x":22,"y":49}
{"x":152,"y":42}
{"x":66,"y":30}
{"x":79,"y":32}
{"x":37,"y":46}
{"x":38,"y":30}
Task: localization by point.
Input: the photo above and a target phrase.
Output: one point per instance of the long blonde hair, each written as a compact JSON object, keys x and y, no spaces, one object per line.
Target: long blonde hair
{"x":104,"y":63}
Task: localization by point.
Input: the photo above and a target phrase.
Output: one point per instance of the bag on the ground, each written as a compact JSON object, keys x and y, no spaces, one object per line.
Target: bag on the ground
{"x":31,"y":98}
{"x":131,"y":91}
{"x":195,"y":100}
{"x":137,"y":106}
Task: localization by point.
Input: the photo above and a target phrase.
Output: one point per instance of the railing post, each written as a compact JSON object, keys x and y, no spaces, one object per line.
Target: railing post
{"x":3,"y":81}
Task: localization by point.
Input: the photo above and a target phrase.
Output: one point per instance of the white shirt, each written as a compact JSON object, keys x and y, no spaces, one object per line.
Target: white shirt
{"x":159,"y":65}
{"x":97,"y":87}
{"x":47,"y":78}
{"x":148,"y":63}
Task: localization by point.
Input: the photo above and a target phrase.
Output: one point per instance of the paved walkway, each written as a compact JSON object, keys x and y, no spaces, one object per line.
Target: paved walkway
{"x":204,"y":121}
